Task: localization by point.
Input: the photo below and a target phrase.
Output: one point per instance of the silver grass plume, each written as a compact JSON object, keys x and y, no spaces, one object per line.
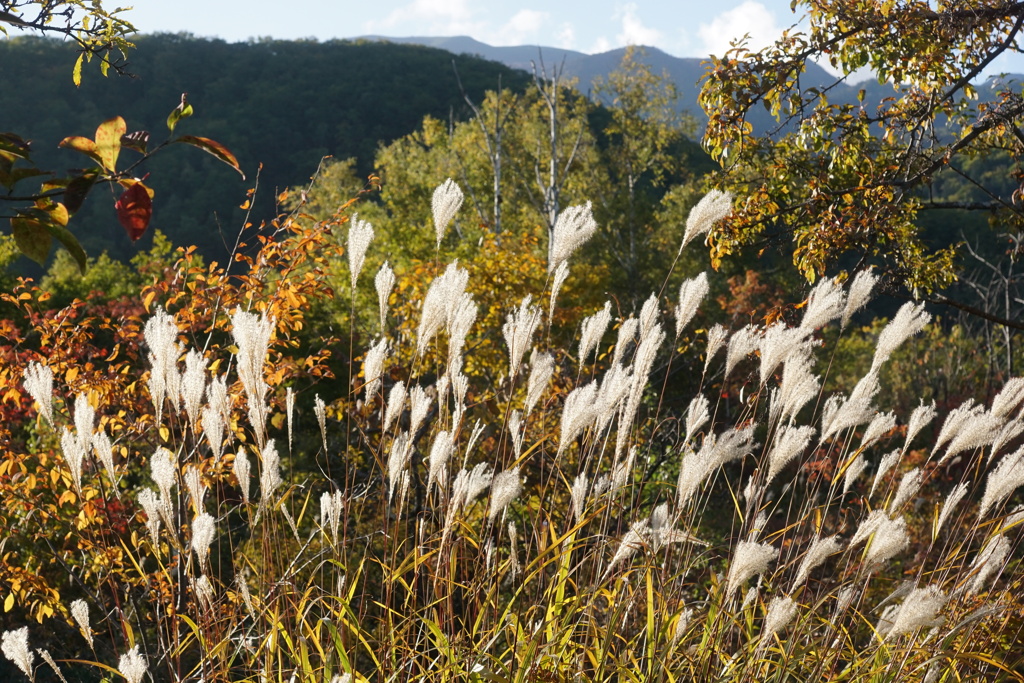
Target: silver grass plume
{"x":643,"y":361}
{"x":74,"y":455}
{"x":713,"y":207}
{"x":743,"y":343}
{"x":855,"y":469}
{"x":203,"y":589}
{"x":542,"y":366}
{"x":697,"y":415}
{"x":919,"y":609}
{"x":908,"y":321}
{"x":887,"y":462}
{"x":879,"y":426}
{"x":360,"y":234}
{"x":988,"y":562}
{"x":788,"y":444}
{"x":820,"y":550}
{"x":1010,"y":431}
{"x":778,"y":343}
{"x":505,"y":487}
{"x":627,"y":333}
{"x":908,"y":488}
{"x":691,"y":293}
{"x":580,"y":485}
{"x":839,"y":415}
{"x":398,"y":460}
{"x":85,"y":421}
{"x":514,"y":567}
{"x":241,"y":469}
{"x":978,"y":433}
{"x":270,"y":472}
{"x":395,"y":405}
{"x":949,"y":505}
{"x":621,"y":472}
{"x":251,"y":334}
{"x":213,"y":429}
{"x":193,"y":386}
{"x":45,"y":654}
{"x":203,"y":531}
{"x":373,"y":368}
{"x":557,"y":280}
{"x":152,"y":506}
{"x":577,"y":413}
{"x":164,"y":350}
{"x":750,"y":559}
{"x":799,"y":385}
{"x":649,"y":314}
{"x":1009,"y":398}
{"x":132,"y":665}
{"x":320,"y":410}
{"x":859,"y":294}
{"x":439,"y":303}
{"x":885,"y":537}
{"x":419,"y":406}
{"x":38,"y":380}
{"x":681,"y":624}
{"x":164,"y":469}
{"x":634,"y":540}
{"x":593,"y":329}
{"x":919,"y":419}
{"x":957,"y":419}
{"x":1003,"y":481}
{"x":518,"y":330}
{"x":15,"y":648}
{"x":384,"y":283}
{"x":716,"y":339}
{"x":330,"y":513}
{"x":193,"y":479}
{"x":458,"y":329}
{"x":825,"y":303}
{"x":781,"y":611}
{"x":440,"y":452}
{"x":80,"y":612}
{"x":445,"y":204}
{"x":573,"y":227}
{"x":615,"y":384}
{"x":517,"y":430}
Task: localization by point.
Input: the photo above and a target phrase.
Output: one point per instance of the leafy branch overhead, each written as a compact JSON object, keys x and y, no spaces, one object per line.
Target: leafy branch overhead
{"x":46,"y":217}
{"x":845,"y":178}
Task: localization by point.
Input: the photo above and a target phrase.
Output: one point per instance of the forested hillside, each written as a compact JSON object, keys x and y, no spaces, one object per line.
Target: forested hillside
{"x":281,"y":104}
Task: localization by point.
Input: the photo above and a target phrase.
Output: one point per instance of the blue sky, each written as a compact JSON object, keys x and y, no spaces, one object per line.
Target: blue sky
{"x":684,"y":28}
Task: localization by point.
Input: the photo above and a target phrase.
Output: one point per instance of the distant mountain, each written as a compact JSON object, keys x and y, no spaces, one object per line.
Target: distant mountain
{"x":685,"y":72}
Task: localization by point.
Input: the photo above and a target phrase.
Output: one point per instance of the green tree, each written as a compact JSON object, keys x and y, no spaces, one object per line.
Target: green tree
{"x":847,"y":173}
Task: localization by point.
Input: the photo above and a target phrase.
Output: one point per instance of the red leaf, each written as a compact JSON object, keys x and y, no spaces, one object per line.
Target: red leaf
{"x":134,"y":209}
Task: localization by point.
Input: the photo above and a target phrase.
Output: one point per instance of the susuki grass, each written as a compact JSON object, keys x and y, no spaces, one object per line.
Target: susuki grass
{"x":528,"y":529}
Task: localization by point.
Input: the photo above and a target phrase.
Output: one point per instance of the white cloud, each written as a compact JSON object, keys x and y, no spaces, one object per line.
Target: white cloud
{"x":633,"y":30}
{"x":523,"y":27}
{"x":750,"y":17}
{"x":566,"y":37}
{"x":430,"y":17}
{"x":600,"y":45}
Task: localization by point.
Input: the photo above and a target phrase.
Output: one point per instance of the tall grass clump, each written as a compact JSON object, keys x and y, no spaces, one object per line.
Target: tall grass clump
{"x":564,"y":516}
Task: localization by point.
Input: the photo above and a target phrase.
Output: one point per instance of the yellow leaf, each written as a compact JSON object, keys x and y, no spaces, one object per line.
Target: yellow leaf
{"x":9,"y":602}
{"x":72,"y":375}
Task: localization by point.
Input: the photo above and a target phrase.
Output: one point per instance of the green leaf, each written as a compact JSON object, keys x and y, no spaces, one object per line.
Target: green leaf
{"x":70,"y":243}
{"x":83,"y":145}
{"x":182,"y":111}
{"x":108,"y":141}
{"x":32,"y":238}
{"x":215,"y":148}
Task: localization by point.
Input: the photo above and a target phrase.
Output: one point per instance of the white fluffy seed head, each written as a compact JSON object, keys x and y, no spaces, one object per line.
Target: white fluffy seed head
{"x":270,"y":472}
{"x":908,"y":321}
{"x":505,"y":487}
{"x":80,"y":613}
{"x":132,"y":665}
{"x":713,"y":207}
{"x":360,"y":234}
{"x":949,"y":505}
{"x":593,"y":330}
{"x":743,"y":343}
{"x":557,"y":280}
{"x":373,"y":368}
{"x":241,"y":469}
{"x":1009,"y":398}
{"x":74,"y":455}
{"x":789,"y":443}
{"x":193,"y":386}
{"x":542,"y":366}
{"x":987,"y":562}
{"x":884,"y":466}
{"x":203,"y":530}
{"x":445,"y":204}
{"x":573,"y":227}
{"x":859,"y":294}
{"x":38,"y":380}
{"x":15,"y":648}
{"x":781,"y":611}
{"x":396,"y":403}
{"x":716,"y":339}
{"x":1003,"y":481}
{"x":750,"y":559}
{"x":164,"y":469}
{"x":919,"y":609}
{"x":691,"y":293}
{"x":518,"y":330}
{"x":820,"y":550}
{"x":909,"y":486}
{"x":384,"y":283}
{"x":151,"y":505}
{"x":855,"y":469}
{"x":825,"y":303}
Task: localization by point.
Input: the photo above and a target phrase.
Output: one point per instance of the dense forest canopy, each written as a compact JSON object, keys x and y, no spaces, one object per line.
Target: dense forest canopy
{"x":280,"y":104}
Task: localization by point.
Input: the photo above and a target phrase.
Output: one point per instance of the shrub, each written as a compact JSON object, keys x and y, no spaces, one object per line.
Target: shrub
{"x":560,"y":518}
